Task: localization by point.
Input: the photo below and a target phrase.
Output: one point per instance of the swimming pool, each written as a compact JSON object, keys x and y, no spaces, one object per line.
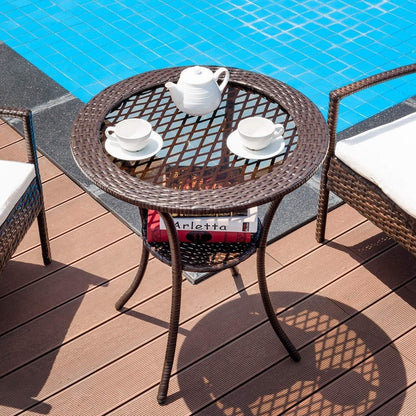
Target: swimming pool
{"x":314,"y":46}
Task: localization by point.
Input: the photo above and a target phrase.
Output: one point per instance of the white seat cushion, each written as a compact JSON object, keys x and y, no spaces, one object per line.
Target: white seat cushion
{"x":15,"y":177}
{"x":386,"y":156}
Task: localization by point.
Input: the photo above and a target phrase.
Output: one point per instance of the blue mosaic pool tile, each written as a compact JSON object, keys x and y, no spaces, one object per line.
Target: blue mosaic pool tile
{"x":314,"y":46}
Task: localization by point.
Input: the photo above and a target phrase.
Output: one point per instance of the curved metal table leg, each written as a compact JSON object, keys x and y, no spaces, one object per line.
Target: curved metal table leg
{"x":261,"y":275}
{"x":175,"y":306}
{"x":235,"y":272}
{"x":138,"y":278}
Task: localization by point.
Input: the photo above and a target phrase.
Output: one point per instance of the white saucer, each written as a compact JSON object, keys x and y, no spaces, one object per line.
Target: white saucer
{"x":154,"y":145}
{"x":273,"y":149}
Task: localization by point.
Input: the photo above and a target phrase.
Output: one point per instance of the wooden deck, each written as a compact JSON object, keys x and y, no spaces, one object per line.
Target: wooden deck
{"x":349,"y":305}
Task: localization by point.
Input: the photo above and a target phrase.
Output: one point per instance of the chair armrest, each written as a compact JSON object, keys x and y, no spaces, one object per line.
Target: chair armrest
{"x":28,"y":133}
{"x":337,"y":95}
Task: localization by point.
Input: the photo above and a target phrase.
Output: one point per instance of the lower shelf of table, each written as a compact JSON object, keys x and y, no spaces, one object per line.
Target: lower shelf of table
{"x":206,"y":257}
{"x":203,"y":257}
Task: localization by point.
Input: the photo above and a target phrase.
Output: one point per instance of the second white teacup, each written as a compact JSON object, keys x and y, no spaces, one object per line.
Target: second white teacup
{"x":257,"y":132}
{"x":132,"y":134}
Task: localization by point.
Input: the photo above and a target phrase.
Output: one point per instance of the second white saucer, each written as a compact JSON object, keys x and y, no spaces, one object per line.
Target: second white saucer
{"x":154,"y":145}
{"x":273,"y":149}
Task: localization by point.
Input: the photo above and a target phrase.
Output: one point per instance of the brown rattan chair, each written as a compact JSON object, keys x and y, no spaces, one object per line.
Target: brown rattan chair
{"x":358,"y":191}
{"x":21,"y":197}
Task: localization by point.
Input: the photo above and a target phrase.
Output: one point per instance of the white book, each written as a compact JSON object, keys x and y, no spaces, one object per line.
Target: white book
{"x":237,"y":223}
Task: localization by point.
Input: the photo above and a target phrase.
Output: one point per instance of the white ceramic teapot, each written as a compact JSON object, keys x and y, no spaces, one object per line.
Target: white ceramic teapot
{"x":197,"y":91}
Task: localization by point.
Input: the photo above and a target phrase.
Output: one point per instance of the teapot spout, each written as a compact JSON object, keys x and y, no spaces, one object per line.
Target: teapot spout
{"x":176,"y":94}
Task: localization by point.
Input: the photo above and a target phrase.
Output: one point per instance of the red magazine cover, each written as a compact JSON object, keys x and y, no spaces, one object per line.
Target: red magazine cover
{"x":155,"y":234}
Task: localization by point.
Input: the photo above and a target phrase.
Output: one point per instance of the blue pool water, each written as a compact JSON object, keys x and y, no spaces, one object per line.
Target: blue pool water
{"x":314,"y":46}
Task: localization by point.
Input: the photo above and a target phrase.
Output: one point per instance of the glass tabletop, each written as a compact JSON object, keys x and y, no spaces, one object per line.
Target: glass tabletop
{"x":194,"y":171}
{"x":195,"y":154}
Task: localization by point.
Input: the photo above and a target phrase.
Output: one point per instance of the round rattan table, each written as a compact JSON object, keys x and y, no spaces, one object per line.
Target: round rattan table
{"x":195,"y":173}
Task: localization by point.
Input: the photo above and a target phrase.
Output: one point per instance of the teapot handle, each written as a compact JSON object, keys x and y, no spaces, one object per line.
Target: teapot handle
{"x":217,"y":73}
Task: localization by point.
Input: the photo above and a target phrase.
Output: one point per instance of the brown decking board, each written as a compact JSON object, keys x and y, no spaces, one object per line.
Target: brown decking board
{"x":313,"y":315}
{"x":8,"y":135}
{"x":349,"y":305}
{"x":65,"y":217}
{"x":403,"y":404}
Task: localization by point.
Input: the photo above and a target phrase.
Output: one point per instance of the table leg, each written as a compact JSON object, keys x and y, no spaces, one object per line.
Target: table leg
{"x":175,"y":306}
{"x":234,"y":271}
{"x":261,"y":275}
{"x":138,"y":278}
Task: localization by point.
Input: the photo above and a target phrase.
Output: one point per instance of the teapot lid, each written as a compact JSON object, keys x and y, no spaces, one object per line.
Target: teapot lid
{"x":197,"y":75}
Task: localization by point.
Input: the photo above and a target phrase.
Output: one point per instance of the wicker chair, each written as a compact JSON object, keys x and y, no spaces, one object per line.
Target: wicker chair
{"x":354,"y":173}
{"x":21,"y":197}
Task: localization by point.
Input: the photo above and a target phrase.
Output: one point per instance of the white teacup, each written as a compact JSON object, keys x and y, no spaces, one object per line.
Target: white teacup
{"x":132,"y":134}
{"x":257,"y":132}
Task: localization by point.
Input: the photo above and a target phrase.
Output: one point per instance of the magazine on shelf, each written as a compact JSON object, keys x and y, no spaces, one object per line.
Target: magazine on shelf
{"x":156,"y":234}
{"x":238,"y":223}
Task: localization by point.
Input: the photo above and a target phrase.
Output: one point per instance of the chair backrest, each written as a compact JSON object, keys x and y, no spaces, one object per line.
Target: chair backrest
{"x":337,"y":95}
{"x":354,"y":188}
{"x":26,"y":189}
{"x":25,"y":116}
